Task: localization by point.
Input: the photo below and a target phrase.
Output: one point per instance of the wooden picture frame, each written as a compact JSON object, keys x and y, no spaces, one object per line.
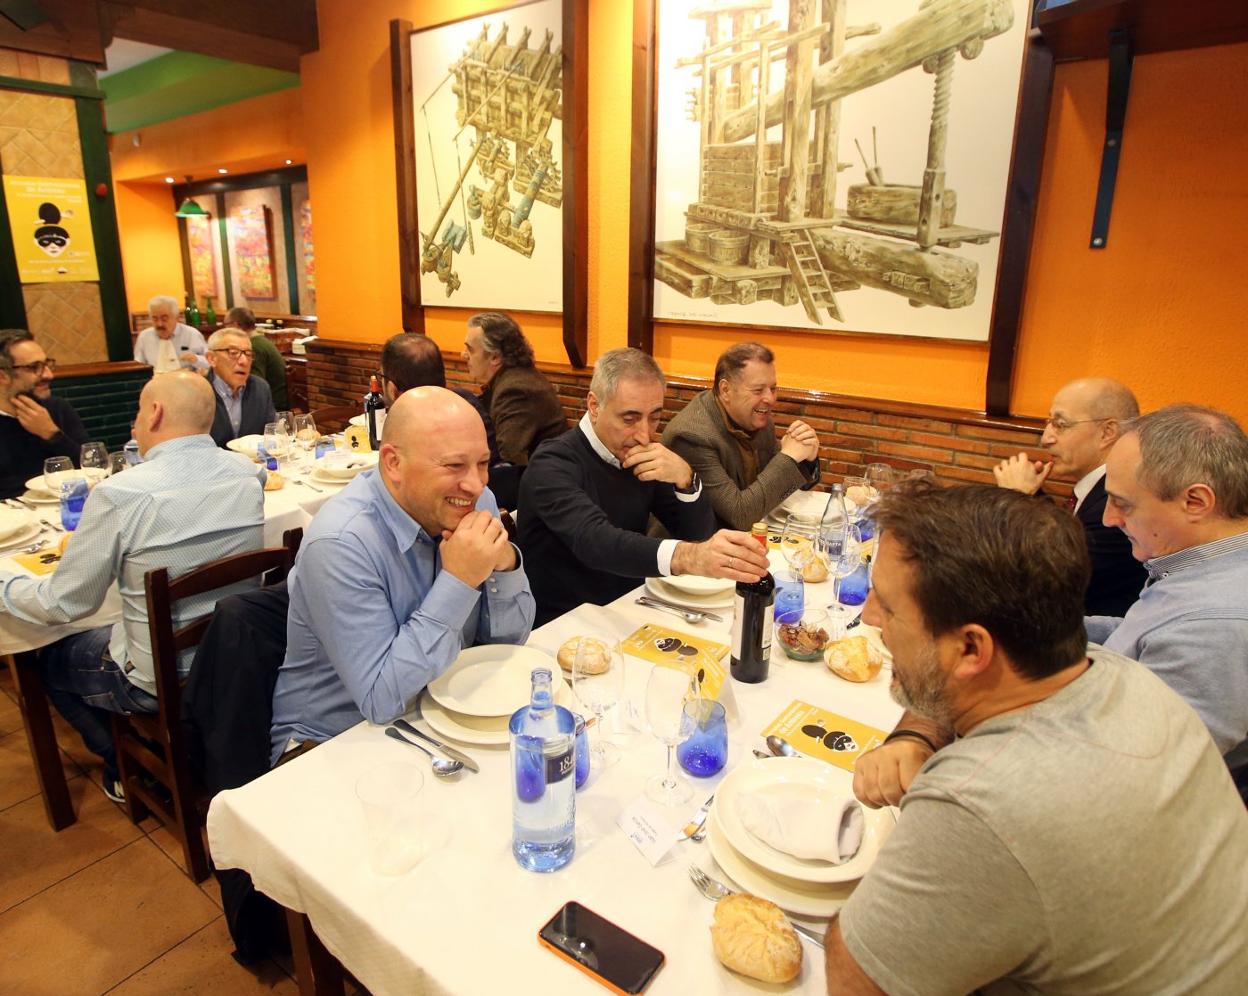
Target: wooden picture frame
{"x":1021,"y":187}
{"x":414,"y":249}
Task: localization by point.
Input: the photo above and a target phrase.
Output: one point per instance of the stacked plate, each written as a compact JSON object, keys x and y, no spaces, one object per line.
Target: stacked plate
{"x":812,"y":503}
{"x":806,"y":887}
{"x":17,"y":527}
{"x":39,"y":491}
{"x":693,"y":591}
{"x":473,"y":700}
{"x":341,"y":467}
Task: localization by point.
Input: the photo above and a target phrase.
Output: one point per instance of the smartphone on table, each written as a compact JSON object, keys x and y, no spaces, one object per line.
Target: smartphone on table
{"x":619,"y":960}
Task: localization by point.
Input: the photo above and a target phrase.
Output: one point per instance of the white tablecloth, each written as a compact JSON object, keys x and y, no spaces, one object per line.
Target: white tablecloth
{"x":465,"y":920}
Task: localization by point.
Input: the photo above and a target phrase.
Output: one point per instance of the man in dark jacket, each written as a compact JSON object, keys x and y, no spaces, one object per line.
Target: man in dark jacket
{"x":33,"y":424}
{"x":521,"y":401}
{"x":587,"y":497}
{"x":244,"y":401}
{"x":1085,"y":419}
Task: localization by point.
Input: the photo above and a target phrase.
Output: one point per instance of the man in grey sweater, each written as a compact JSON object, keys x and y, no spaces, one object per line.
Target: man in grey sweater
{"x":1178,"y":487}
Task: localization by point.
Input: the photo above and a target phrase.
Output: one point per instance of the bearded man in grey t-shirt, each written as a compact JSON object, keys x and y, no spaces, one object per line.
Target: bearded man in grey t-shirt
{"x":1081,"y":833}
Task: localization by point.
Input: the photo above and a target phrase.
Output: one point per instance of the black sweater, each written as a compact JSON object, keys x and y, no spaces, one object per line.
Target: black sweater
{"x":582,"y":525}
{"x":22,"y":453}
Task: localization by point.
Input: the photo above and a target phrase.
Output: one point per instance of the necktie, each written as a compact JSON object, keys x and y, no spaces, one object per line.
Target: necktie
{"x":1071,"y":503}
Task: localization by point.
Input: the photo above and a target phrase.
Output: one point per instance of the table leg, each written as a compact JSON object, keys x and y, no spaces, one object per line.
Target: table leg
{"x":41,"y":736}
{"x":316,"y":970}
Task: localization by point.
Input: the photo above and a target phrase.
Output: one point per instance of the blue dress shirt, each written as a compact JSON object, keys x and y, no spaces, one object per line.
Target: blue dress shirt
{"x":187,"y":504}
{"x":373,"y":617}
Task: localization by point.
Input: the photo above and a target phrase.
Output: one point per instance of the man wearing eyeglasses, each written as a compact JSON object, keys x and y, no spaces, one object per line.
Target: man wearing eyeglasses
{"x":1085,"y":419}
{"x":244,"y":401}
{"x":169,"y":344}
{"x":34,"y":425}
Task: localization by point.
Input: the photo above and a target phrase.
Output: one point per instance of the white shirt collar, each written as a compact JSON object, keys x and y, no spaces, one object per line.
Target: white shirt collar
{"x":587,"y":427}
{"x":1086,"y":483}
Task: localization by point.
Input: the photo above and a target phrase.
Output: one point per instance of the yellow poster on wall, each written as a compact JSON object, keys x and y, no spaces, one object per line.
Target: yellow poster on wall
{"x":51,"y":224}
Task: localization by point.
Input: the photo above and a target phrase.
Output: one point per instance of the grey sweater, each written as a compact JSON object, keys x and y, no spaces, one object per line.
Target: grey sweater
{"x":1190,"y":627}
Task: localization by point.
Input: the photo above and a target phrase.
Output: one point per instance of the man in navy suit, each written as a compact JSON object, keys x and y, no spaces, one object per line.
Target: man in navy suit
{"x":1085,"y":420}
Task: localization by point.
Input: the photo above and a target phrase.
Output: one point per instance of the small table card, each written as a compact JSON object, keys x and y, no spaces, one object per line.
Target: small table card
{"x":824,"y":735}
{"x":649,"y":826}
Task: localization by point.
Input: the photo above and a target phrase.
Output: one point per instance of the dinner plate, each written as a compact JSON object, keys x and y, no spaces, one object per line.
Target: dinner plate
{"x":693,"y":584}
{"x":493,"y":679}
{"x":343,"y":466}
{"x":10,"y":544}
{"x":812,"y":778}
{"x":801,"y":898}
{"x":13,"y":521}
{"x":812,"y":503}
{"x":92,"y":475}
{"x":322,"y":478}
{"x":660,"y":588}
{"x":40,"y":498}
{"x":484,"y":731}
{"x":358,"y":420}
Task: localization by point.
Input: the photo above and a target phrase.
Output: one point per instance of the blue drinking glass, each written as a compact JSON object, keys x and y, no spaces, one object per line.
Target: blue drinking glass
{"x":73,"y":498}
{"x":582,"y":751}
{"x":790,"y":598}
{"x":706,"y":751}
{"x":855,"y":586}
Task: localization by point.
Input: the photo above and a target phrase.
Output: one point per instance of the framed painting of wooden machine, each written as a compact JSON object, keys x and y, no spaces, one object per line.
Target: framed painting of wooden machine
{"x":832,"y":165}
{"x":490,"y":136}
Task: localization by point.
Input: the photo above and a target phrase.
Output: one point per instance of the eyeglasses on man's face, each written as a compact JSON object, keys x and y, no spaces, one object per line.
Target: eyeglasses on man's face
{"x":37,"y":368}
{"x":233,"y":352}
{"x":1059,"y":424}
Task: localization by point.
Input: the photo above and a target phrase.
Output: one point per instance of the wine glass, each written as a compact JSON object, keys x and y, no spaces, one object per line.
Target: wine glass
{"x":94,"y":461}
{"x":276,"y":439}
{"x":880,"y":476}
{"x":54,"y":469}
{"x":841,"y":544}
{"x":117,"y":463}
{"x":288,"y":419}
{"x":305,"y":437}
{"x":599,"y":689}
{"x":667,"y":691}
{"x":797,"y":541}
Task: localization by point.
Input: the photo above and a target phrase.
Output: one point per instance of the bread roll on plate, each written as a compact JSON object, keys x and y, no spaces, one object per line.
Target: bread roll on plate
{"x":595,"y":654}
{"x":754,"y":937}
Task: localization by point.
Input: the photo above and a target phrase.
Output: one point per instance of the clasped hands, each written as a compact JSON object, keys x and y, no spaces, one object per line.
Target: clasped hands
{"x":800,"y":442}
{"x":476,"y":548}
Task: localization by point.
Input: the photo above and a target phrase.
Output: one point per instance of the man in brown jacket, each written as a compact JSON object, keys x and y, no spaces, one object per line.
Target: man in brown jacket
{"x":728,"y":437}
{"x":521,"y":401}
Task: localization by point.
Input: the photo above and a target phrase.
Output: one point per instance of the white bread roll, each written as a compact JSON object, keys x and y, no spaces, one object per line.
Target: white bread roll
{"x":595,"y":655}
{"x":753,"y":936}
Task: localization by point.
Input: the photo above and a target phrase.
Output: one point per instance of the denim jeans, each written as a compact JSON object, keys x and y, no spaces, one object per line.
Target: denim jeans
{"x":86,"y":685}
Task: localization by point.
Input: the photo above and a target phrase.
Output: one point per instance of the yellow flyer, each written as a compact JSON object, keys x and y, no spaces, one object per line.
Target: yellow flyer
{"x":824,"y":735}
{"x":51,"y":224}
{"x":698,"y":657}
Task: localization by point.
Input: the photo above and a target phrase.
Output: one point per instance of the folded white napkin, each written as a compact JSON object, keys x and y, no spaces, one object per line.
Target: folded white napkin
{"x":804,"y":821}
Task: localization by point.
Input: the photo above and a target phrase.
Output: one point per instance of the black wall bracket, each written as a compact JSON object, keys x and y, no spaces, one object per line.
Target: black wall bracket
{"x":1120,"y":59}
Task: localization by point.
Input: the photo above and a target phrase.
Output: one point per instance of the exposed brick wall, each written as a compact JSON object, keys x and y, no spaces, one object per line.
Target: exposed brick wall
{"x":957,"y":445}
{"x":106,"y":397}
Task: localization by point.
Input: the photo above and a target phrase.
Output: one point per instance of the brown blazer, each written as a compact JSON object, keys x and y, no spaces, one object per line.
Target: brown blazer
{"x":699,"y":434}
{"x":525,"y":409}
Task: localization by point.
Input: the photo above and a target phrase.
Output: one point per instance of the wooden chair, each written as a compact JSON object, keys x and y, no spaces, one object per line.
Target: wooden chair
{"x":153,"y":757}
{"x":334,"y":418}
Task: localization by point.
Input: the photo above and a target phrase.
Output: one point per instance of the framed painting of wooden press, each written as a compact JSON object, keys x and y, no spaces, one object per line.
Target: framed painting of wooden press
{"x":490,"y":156}
{"x":840,"y":165}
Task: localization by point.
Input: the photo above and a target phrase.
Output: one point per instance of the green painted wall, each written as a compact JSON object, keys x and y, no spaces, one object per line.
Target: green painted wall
{"x":182,"y":83}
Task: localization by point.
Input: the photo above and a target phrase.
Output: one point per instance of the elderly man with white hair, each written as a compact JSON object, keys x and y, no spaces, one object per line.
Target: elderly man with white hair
{"x":187,"y":504}
{"x":169,"y":344}
{"x":244,"y":401}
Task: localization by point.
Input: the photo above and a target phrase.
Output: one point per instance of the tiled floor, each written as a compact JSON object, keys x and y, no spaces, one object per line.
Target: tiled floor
{"x":103,"y":906}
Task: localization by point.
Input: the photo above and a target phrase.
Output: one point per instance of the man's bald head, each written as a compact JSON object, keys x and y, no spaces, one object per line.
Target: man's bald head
{"x":1085,"y":420}
{"x":1102,"y":398}
{"x":175,"y":404}
{"x":434,"y":457}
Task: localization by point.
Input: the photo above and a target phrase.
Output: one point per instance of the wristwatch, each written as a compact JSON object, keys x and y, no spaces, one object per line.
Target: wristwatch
{"x":695,"y":482}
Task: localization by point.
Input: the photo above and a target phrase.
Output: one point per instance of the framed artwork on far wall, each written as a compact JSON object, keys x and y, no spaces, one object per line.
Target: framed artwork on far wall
{"x":251,"y":233}
{"x":490,"y":156}
{"x":836,"y":167}
{"x":201,"y":238}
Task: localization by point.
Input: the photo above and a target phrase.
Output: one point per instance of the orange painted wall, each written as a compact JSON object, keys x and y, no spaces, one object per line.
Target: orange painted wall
{"x":150,"y":254}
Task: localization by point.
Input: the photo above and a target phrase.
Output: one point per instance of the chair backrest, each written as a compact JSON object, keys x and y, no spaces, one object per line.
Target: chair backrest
{"x":271,"y":565}
{"x":334,"y":418}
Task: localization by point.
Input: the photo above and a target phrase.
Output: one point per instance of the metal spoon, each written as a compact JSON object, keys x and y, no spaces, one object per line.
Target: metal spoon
{"x":689,"y":617}
{"x":441,"y":766}
{"x":781,"y":747}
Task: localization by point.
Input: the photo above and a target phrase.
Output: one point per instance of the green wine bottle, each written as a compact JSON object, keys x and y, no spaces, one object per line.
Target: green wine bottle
{"x":192,"y":312}
{"x":210,"y":313}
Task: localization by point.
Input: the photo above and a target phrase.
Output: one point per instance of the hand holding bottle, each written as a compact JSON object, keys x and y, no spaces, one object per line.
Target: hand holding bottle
{"x":476,"y":548}
{"x":728,"y":554}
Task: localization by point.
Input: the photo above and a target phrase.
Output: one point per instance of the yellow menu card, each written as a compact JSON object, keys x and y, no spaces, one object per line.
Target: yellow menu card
{"x":42,"y":562}
{"x":701,"y":658}
{"x":824,"y":735}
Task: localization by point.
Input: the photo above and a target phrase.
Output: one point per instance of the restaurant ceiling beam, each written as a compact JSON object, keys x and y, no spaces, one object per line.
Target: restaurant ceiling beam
{"x":270,"y":34}
{"x":71,"y":31}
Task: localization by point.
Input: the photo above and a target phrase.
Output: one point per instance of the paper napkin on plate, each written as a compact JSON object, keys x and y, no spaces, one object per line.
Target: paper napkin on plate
{"x":804,"y":821}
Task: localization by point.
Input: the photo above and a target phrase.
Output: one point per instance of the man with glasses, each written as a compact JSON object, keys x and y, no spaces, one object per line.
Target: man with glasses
{"x":34,"y":425}
{"x":244,"y":401}
{"x":169,"y":344}
{"x":1085,"y":419}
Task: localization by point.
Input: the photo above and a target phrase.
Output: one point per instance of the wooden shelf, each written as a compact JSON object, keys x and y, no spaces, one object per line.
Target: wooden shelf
{"x":1080,"y":29}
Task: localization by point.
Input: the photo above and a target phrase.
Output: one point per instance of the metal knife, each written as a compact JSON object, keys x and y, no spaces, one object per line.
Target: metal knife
{"x":698,"y":821}
{"x":450,"y":752}
{"x":654,"y":599}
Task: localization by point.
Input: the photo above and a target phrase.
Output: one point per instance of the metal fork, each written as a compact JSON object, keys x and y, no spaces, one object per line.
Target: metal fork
{"x":715,"y":890}
{"x":295,"y":480}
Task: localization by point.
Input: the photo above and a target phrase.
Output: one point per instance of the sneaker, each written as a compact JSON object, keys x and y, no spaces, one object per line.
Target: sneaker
{"x":114,"y":789}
